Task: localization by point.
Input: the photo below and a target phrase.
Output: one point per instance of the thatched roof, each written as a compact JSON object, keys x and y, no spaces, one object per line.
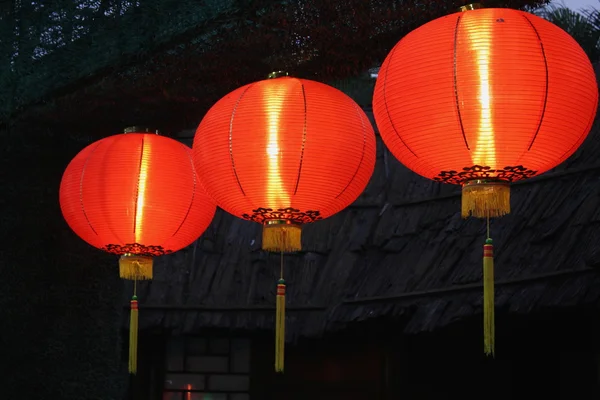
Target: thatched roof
{"x":400,"y":251}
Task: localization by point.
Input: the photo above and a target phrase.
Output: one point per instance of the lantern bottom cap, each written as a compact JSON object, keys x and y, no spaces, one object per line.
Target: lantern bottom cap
{"x":483,"y":198}
{"x":281,"y":236}
{"x":135,"y":267}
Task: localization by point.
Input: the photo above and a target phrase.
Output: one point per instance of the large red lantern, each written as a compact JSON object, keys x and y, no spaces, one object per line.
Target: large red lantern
{"x":483,"y":98}
{"x":284,"y":152}
{"x":136,"y":195}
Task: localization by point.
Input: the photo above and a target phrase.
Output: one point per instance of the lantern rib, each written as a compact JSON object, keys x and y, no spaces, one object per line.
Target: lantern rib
{"x":362,"y":156}
{"x":137,"y":189}
{"x":537,"y":34}
{"x":237,"y":103}
{"x":195,"y":178}
{"x":387,"y":111}
{"x":454,"y":73}
{"x":303,"y":138}
{"x":85,"y":164}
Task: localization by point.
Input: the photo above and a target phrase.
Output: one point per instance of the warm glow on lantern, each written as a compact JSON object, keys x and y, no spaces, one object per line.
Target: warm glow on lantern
{"x":484,"y":152}
{"x":273,"y":103}
{"x":141,"y":196}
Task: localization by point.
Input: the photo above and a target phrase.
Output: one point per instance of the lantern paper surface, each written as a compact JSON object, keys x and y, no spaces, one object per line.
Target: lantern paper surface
{"x":488,"y":93}
{"x":135,"y":193}
{"x":285,"y":149}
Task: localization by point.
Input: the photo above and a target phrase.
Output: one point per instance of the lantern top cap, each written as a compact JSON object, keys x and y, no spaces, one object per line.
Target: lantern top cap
{"x":140,"y":129}
{"x":277,"y":74}
{"x":471,"y":6}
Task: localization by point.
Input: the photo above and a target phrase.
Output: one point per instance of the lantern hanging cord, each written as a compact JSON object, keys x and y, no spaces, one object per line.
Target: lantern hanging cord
{"x":488,"y":224}
{"x":281,"y":266}
{"x":135,"y":287}
{"x":280,"y":321}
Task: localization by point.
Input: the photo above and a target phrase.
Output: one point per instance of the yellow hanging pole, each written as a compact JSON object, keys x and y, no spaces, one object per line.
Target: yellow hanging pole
{"x":133,"y":331}
{"x":488,"y":295}
{"x":280,"y":320}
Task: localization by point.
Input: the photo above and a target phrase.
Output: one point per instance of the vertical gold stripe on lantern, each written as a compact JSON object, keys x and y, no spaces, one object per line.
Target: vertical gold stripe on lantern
{"x":488,"y":298}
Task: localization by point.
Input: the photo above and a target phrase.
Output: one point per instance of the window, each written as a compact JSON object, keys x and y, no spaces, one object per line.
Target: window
{"x":200,"y":368}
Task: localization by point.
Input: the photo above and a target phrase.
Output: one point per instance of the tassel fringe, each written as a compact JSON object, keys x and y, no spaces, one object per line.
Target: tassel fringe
{"x":483,"y":199}
{"x":282,"y":237}
{"x":133,"y":336}
{"x":488,"y":299}
{"x":134,"y":267}
{"x":280,"y":327}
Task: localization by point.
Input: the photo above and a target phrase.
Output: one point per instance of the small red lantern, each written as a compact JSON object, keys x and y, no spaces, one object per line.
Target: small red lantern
{"x":136,"y":195}
{"x":284,"y":152}
{"x":483,"y":98}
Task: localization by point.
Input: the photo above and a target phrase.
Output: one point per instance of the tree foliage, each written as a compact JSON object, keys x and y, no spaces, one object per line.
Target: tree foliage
{"x":147,"y":61}
{"x":582,"y":25}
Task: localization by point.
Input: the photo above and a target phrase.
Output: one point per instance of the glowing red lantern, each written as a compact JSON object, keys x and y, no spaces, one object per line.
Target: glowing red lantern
{"x":136,"y":195}
{"x":284,"y":152}
{"x":485,"y":96}
{"x":482,"y":98}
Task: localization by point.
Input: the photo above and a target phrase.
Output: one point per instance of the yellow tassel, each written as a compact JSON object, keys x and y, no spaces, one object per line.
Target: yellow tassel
{"x":280,"y":327}
{"x":482,"y":199}
{"x":281,"y":236}
{"x":133,"y":336}
{"x":488,"y":299}
{"x":135,"y":267}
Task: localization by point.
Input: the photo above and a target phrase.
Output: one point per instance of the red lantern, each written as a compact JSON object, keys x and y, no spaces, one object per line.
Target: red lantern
{"x":284,"y":152}
{"x":482,"y":98}
{"x":136,"y":195}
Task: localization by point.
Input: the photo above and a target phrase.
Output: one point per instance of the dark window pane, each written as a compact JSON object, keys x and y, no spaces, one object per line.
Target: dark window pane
{"x":240,"y":355}
{"x":219,"y":346}
{"x":228,"y":382}
{"x":196,"y":346}
{"x":175,"y":355}
{"x":239,"y":396}
{"x":184,"y":381}
{"x":207,"y":364}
